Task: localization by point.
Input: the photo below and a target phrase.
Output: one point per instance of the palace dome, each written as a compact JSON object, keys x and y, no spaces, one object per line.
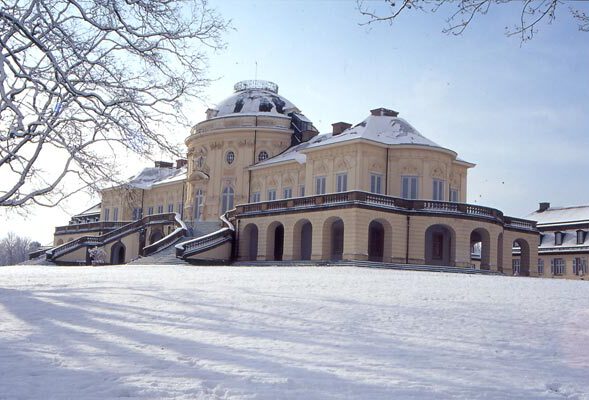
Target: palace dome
{"x":254,"y":97}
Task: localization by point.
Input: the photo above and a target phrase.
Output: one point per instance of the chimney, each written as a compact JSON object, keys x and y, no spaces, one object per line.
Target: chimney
{"x":543,"y":206}
{"x":339,"y":127}
{"x":164,"y":164}
{"x":383,"y":112}
{"x":181,"y":163}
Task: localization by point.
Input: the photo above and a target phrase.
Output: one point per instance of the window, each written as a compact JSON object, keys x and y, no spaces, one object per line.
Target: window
{"x":198,"y":204}
{"x":230,"y":157}
{"x":409,"y":187}
{"x":580,"y":237}
{"x":320,"y":185}
{"x":262,"y":155}
{"x":115,"y":214}
{"x":579,"y":266}
{"x":255,"y":197}
{"x":287,"y":193}
{"x":136,"y":214}
{"x":540,"y":266}
{"x":438,"y":190}
{"x":302,"y":190}
{"x":171,"y":207}
{"x":160,"y":209}
{"x":341,"y":182}
{"x":454,"y":195}
{"x":106,"y":214}
{"x":200,"y":162}
{"x":271,"y":194}
{"x":227,"y":199}
{"x":150,"y":211}
{"x":558,"y":238}
{"x":516,"y":266}
{"x":180,"y":207}
{"x":557,"y":266}
{"x":376,"y":183}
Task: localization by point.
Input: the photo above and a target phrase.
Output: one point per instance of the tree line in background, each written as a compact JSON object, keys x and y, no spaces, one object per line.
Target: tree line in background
{"x":15,"y":249}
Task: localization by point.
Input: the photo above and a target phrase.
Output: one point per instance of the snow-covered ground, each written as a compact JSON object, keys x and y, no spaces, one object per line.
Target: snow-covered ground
{"x":289,"y":333}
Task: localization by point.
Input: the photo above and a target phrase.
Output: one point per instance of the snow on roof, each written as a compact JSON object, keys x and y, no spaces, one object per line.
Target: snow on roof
{"x":178,"y":177}
{"x":557,"y":215}
{"x":387,"y":130}
{"x":569,"y":240}
{"x":152,"y":175}
{"x":95,"y":209}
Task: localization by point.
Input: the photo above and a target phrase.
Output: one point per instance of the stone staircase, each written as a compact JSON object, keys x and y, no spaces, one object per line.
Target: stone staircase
{"x":165,"y":256}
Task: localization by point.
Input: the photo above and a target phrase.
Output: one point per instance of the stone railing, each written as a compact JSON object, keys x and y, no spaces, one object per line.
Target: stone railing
{"x":382,"y":201}
{"x":91,"y":226}
{"x":200,"y":244}
{"x":168,"y":240}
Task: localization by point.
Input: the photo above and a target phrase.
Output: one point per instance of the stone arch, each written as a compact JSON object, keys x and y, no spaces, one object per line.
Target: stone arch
{"x":302,"y":240}
{"x":333,"y":239}
{"x":380,"y":240}
{"x":155,"y":236}
{"x":440,"y":245}
{"x":275,"y":241}
{"x":481,"y":238}
{"x":117,"y":253}
{"x":524,"y":247}
{"x":250,"y":242}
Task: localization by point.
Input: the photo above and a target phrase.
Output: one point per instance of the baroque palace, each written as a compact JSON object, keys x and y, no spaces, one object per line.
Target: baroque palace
{"x":260,"y":184}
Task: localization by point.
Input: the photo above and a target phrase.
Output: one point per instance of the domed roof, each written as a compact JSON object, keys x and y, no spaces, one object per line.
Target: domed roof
{"x":254,"y":97}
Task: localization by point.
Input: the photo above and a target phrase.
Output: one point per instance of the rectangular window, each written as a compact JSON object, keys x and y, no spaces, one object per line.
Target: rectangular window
{"x":271,"y":194}
{"x":170,"y":208}
{"x":287,"y":193}
{"x":115,"y":214}
{"x":180,"y":207}
{"x":255,"y":197}
{"x":580,"y":237}
{"x":558,"y":238}
{"x":540,"y":266}
{"x":150,"y":211}
{"x":579,"y":266}
{"x":557,"y":266}
{"x":302,"y":191}
{"x":376,"y":183}
{"x":454,"y":195}
{"x":107,"y":214}
{"x":438,"y":190}
{"x":320,"y":185}
{"x":516,"y":266}
{"x":160,"y":209}
{"x":409,"y":187}
{"x":136,"y":214}
{"x":341,"y":182}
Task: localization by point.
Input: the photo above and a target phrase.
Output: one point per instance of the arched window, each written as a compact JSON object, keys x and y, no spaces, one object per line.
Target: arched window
{"x":227,"y":199}
{"x":262,"y":155}
{"x":198,"y":205}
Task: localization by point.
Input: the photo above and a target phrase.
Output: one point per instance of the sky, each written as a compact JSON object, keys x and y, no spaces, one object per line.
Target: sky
{"x":517,"y":111}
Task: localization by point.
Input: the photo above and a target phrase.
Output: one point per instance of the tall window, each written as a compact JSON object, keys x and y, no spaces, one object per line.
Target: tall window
{"x":136,"y":214}
{"x":180,"y":207}
{"x":302,"y":191}
{"x":454,"y":195}
{"x":115,"y":214}
{"x":199,"y":200}
{"x":287,"y":193}
{"x":516,"y":265}
{"x":580,"y":236}
{"x":106,"y":214}
{"x":558,"y":238}
{"x":160,"y":209}
{"x":341,"y":182}
{"x":255,"y":197}
{"x":150,"y":211}
{"x":262,"y":155}
{"x":376,"y":183}
{"x":409,"y":188}
{"x":171,"y":207}
{"x":579,"y":266}
{"x":227,"y":199}
{"x":557,"y":266}
{"x":271,"y":194}
{"x":540,"y":266}
{"x":438,"y":190}
{"x":320,"y":185}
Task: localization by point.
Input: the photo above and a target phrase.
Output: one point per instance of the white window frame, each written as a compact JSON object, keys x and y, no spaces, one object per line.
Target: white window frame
{"x":255,"y":197}
{"x":106,"y":214}
{"x":376,"y":183}
{"x":558,"y":266}
{"x":271,"y":194}
{"x":454,"y":195}
{"x":150,"y":211}
{"x":160,"y":209}
{"x":115,"y":214}
{"x":410,"y":187}
{"x":580,"y":265}
{"x":287,"y":193}
{"x":136,"y":213}
{"x":438,"y":190}
{"x":540,"y":266}
{"x":227,"y":198}
{"x":199,"y":201}
{"x":516,"y":264}
{"x":302,"y":191}
{"x":341,"y":182}
{"x":320,"y":184}
{"x":171,"y":207}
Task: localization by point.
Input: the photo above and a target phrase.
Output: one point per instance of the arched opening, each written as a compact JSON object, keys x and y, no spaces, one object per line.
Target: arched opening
{"x":155,"y":236}
{"x":480,"y":248}
{"x":250,"y":242}
{"x":440,"y":245}
{"x":333,"y":239}
{"x":375,"y":241}
{"x":522,"y":247}
{"x":117,"y":253}
{"x":302,"y":240}
{"x":500,"y":252}
{"x":275,"y":241}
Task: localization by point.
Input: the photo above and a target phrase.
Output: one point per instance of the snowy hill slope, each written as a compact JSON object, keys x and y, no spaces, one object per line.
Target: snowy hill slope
{"x":289,"y":333}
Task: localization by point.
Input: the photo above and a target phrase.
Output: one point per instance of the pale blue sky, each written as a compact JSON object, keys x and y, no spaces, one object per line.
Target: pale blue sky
{"x":519,"y":112}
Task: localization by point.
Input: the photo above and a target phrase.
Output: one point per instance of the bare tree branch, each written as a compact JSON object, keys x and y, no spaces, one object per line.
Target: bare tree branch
{"x":81,"y":77}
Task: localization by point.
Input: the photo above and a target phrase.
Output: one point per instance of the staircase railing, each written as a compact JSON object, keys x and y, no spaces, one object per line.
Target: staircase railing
{"x":206,"y":242}
{"x":110,"y":236}
{"x":166,"y":241}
